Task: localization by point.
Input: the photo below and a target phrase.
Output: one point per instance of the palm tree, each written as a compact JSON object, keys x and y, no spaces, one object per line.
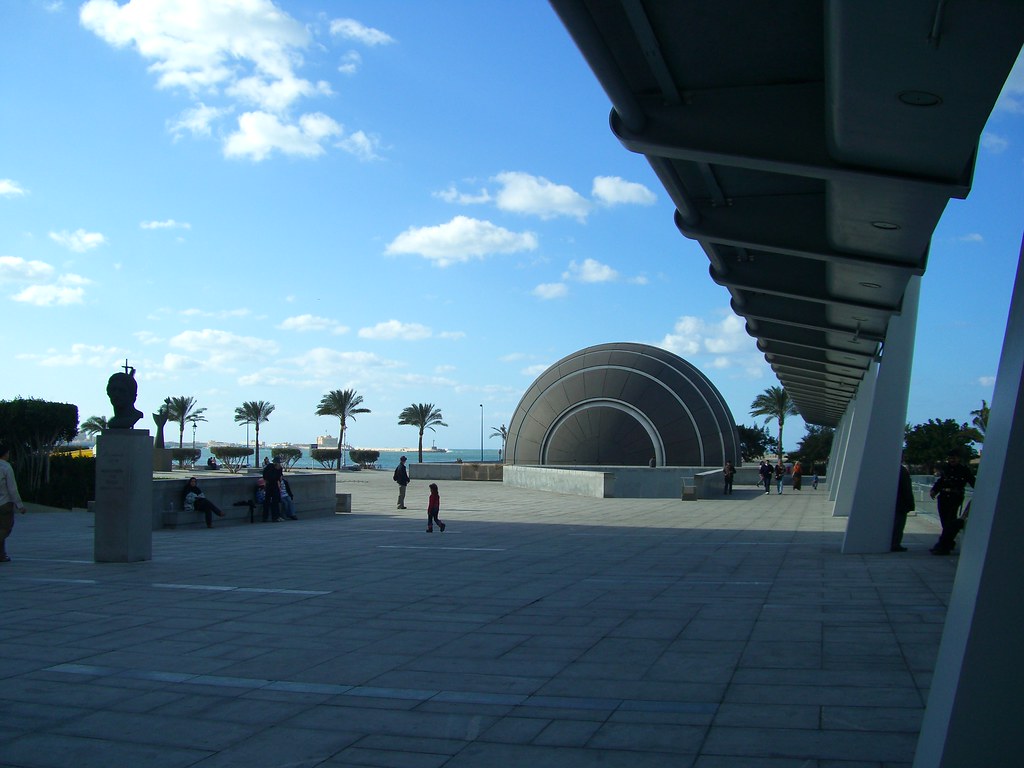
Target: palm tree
{"x":183,"y":411}
{"x":501,"y":432}
{"x":94,"y":425}
{"x":979,"y":421}
{"x":254,"y":412}
{"x":774,"y":403}
{"x":344,"y":405}
{"x":423,"y":416}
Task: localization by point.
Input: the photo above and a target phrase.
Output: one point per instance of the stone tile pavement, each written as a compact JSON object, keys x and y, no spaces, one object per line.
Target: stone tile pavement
{"x":539,"y":630}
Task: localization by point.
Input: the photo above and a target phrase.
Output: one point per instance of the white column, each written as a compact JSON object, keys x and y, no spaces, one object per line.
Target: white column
{"x":840,"y":442}
{"x":872,"y":504}
{"x":975,"y":707}
{"x":855,"y":443}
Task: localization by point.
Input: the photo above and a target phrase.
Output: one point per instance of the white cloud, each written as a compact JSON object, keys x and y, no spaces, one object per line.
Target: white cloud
{"x":590,"y":271}
{"x":362,"y":145}
{"x":78,"y":241}
{"x":205,"y":46}
{"x":453,"y":335}
{"x":693,"y":335}
{"x":535,"y":370}
{"x":460,"y":240}
{"x":88,"y":355}
{"x":973,"y":237}
{"x":49,"y":295}
{"x":303,"y":323}
{"x":166,"y":224}
{"x":393,"y":329}
{"x":551,"y":291}
{"x":350,"y":63}
{"x":993,"y":143}
{"x":235,"y":55}
{"x":260,"y":133}
{"x":536,"y":196}
{"x":350,"y":29}
{"x":987,"y":381}
{"x":197,"y":120}
{"x":614,"y":190}
{"x":17,"y":269}
{"x":452,"y":195}
{"x":221,"y":349}
{"x":1011,"y":99}
{"x":11,"y":188}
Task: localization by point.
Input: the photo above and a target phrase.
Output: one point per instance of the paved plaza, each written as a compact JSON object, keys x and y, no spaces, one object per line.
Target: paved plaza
{"x":539,"y":630}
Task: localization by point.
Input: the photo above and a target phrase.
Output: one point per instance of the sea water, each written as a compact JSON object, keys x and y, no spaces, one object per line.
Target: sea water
{"x":387,"y":460}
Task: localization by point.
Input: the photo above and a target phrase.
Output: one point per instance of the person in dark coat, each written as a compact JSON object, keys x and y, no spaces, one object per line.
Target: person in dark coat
{"x":949,"y":490}
{"x":401,"y":477}
{"x":904,"y":505}
{"x":194,"y":500}
{"x":272,"y":475}
{"x":765,"y":470}
{"x":728,"y":474}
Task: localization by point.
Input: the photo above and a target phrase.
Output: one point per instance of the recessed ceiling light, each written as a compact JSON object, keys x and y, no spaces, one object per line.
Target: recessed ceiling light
{"x":885,"y":225}
{"x":920,"y":99}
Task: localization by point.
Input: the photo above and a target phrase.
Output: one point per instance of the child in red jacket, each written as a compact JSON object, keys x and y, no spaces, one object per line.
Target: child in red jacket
{"x":433,"y":507}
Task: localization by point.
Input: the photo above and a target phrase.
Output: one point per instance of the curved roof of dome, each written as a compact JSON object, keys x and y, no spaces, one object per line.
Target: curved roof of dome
{"x":622,"y":404}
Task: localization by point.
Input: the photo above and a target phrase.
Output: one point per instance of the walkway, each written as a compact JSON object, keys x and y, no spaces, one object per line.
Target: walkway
{"x":539,"y":630}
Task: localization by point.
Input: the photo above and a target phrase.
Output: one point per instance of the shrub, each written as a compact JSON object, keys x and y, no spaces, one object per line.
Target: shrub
{"x":364,"y":458}
{"x":185,"y":456}
{"x":232,"y":456}
{"x":325,"y":456}
{"x":72,"y":482}
{"x":288,"y":456}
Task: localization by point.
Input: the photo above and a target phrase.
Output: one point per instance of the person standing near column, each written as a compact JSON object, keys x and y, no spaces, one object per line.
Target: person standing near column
{"x":949,"y":489}
{"x":10,"y":500}
{"x":402,"y":478}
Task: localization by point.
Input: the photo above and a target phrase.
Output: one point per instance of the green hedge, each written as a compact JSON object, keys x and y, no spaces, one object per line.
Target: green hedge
{"x":72,"y":483}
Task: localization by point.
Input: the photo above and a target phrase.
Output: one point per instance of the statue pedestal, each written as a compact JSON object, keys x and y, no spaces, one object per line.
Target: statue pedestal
{"x":123,"y":530}
{"x":162,"y":459}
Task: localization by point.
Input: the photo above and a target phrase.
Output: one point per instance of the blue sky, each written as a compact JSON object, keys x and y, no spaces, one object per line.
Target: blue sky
{"x":421,"y":201}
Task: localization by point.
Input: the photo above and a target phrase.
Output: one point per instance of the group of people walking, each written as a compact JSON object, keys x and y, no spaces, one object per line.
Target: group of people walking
{"x":401,"y":477}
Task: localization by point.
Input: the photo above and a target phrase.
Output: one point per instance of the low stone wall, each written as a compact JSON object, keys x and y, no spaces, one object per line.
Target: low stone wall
{"x":314,"y":497}
{"x":467,"y":470}
{"x":598,"y":485}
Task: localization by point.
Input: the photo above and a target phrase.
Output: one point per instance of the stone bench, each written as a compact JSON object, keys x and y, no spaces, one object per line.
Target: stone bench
{"x":314,"y":497}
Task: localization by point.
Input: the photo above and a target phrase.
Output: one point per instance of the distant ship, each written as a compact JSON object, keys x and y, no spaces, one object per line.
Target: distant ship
{"x":434,"y":449}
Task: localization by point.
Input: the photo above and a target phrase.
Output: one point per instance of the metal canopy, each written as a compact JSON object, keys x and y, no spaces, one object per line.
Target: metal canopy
{"x":809,"y":147}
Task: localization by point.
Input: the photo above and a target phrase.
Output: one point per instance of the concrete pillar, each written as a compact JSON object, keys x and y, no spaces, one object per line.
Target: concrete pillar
{"x":123,"y":525}
{"x":975,"y":708}
{"x":855,"y":443}
{"x":840,"y":442}
{"x":872,"y":504}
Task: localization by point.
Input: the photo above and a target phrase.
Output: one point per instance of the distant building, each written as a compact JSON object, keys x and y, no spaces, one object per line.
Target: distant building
{"x":326,"y":441}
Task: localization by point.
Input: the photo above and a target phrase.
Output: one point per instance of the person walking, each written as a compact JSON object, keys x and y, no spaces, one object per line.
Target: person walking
{"x":949,"y":491}
{"x":780,"y":475}
{"x":10,"y":501}
{"x":904,"y":505}
{"x":194,"y":500}
{"x":798,"y":476}
{"x":401,"y":477}
{"x":728,"y":473}
{"x":433,"y":507}
{"x":765,"y":471}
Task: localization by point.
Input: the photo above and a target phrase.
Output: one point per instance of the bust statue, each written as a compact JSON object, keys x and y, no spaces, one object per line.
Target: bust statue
{"x":122,"y":389}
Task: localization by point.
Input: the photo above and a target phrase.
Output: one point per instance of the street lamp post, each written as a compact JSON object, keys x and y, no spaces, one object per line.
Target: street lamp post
{"x":247,"y":443}
{"x":481,"y":432}
{"x":193,"y":443}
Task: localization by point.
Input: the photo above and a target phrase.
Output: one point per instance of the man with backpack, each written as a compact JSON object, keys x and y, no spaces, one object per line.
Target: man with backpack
{"x":402,"y":478}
